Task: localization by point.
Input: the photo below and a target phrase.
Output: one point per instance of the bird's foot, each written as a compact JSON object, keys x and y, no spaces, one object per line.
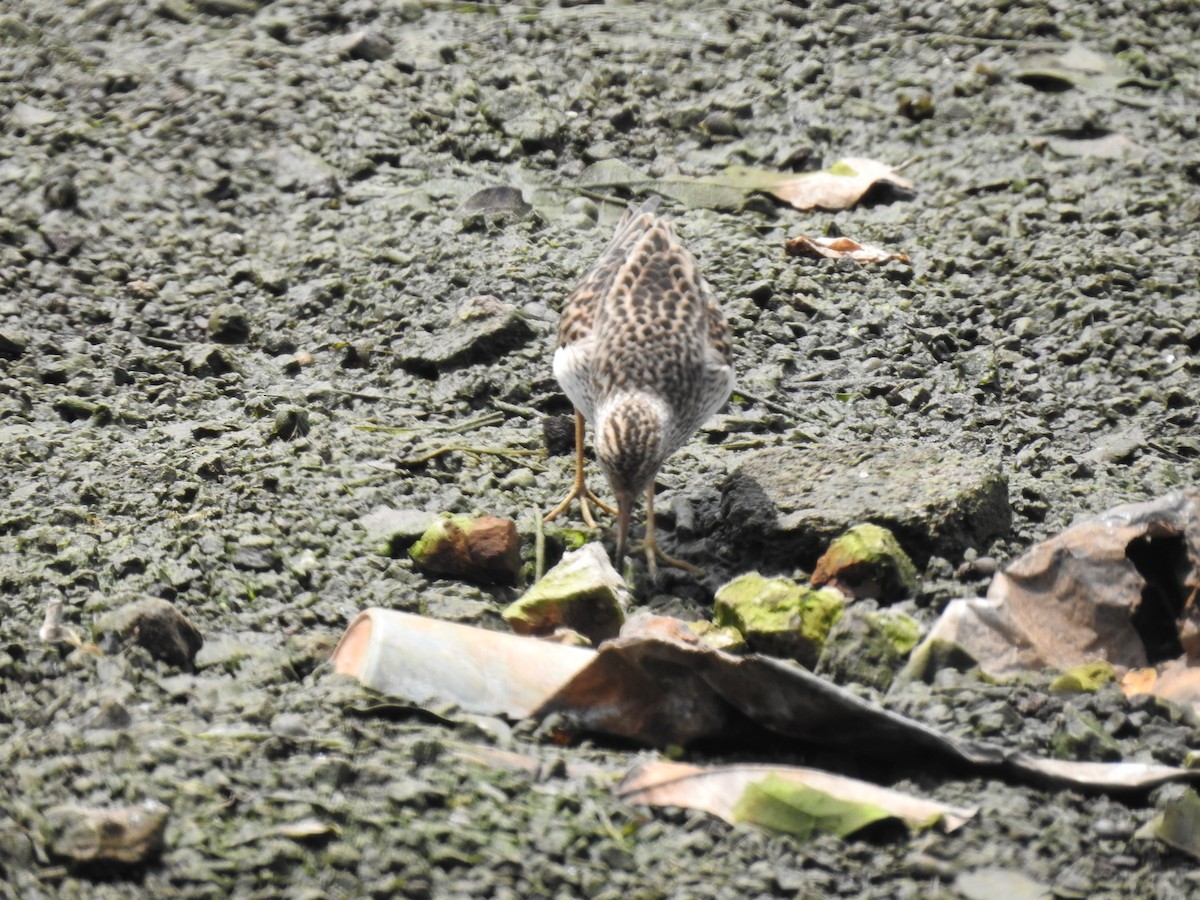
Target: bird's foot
{"x":655,"y":555}
{"x":584,"y":495}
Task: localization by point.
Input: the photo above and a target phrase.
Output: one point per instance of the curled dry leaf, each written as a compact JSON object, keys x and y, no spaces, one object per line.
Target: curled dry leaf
{"x":838,"y":247}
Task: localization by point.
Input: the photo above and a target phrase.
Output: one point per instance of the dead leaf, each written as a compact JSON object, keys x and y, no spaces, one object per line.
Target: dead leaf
{"x":787,"y":798}
{"x":841,"y":186}
{"x":1083,"y":595}
{"x":1139,"y":681}
{"x":838,"y":247}
{"x":661,"y":687}
{"x":1175,"y":681}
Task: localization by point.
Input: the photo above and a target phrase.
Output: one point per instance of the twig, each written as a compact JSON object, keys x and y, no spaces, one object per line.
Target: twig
{"x":539,"y":544}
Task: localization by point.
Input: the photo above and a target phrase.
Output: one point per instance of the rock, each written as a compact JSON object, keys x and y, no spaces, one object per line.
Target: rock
{"x":12,"y":343}
{"x":482,"y":549}
{"x":790,"y":502}
{"x":719,"y":637}
{"x":157,"y":626}
{"x":290,"y":423}
{"x":484,"y":329}
{"x":583,"y":593}
{"x":779,"y":617}
{"x":365,"y":45}
{"x":229,"y":324}
{"x":868,"y":646}
{"x":393,"y":531}
{"x":558,"y":432}
{"x":128,"y":834}
{"x":1081,"y":738}
{"x":867,"y":561}
{"x":999,"y":884}
{"x":24,"y":115}
{"x":1085,"y":678}
{"x":299,"y":170}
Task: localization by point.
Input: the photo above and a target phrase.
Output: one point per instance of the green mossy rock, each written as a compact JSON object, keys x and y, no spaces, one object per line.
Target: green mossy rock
{"x":779,"y":617}
{"x":869,"y":646}
{"x":1085,"y":678}
{"x":1081,"y":738}
{"x":583,"y":593}
{"x":868,"y":561}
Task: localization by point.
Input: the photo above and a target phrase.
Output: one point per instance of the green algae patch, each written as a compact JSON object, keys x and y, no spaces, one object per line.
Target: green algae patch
{"x":868,"y":561}
{"x":779,"y":617}
{"x":1086,"y":678}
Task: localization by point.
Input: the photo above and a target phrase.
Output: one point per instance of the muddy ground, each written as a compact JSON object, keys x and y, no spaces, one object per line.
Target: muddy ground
{"x":162,"y":160}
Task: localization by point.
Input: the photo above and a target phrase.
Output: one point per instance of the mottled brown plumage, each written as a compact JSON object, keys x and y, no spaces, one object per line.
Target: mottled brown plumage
{"x":644,"y":354}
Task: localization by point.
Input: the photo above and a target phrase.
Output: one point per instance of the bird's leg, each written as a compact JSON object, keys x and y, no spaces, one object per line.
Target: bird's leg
{"x":653,"y":554}
{"x":580,"y":489}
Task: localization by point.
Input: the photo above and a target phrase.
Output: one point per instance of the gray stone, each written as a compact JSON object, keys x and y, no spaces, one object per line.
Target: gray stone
{"x":786,"y":504}
{"x":484,"y":329}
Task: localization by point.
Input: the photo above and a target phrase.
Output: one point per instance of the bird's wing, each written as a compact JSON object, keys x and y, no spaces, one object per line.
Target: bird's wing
{"x":583,"y":307}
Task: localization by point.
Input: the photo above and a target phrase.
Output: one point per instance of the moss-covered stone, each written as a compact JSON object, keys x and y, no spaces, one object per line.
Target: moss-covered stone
{"x":1080,"y":737}
{"x":868,"y":561}
{"x":778,"y":616}
{"x":583,"y":593}
{"x":868,"y":646}
{"x":720,"y":637}
{"x":1086,"y":678}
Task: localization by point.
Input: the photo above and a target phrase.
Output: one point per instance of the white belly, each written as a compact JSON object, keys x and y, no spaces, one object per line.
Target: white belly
{"x":572,"y":368}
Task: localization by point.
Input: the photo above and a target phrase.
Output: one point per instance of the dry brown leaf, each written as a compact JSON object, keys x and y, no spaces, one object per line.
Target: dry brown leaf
{"x":838,"y":247}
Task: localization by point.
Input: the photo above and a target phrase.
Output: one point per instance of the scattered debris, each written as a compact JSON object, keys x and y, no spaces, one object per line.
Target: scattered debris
{"x":843,"y":185}
{"x":583,"y":593}
{"x":1119,"y":588}
{"x":840,"y":247}
{"x":484,"y":549}
{"x":659,"y":685}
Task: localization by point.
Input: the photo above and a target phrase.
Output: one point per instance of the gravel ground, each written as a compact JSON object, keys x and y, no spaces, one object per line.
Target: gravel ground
{"x":234,"y":244}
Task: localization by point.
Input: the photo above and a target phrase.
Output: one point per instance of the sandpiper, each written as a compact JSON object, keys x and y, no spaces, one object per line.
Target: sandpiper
{"x":644,"y":355}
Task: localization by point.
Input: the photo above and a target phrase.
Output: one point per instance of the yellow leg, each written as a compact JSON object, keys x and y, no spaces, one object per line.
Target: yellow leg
{"x":580,"y":489}
{"x":653,"y":554}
